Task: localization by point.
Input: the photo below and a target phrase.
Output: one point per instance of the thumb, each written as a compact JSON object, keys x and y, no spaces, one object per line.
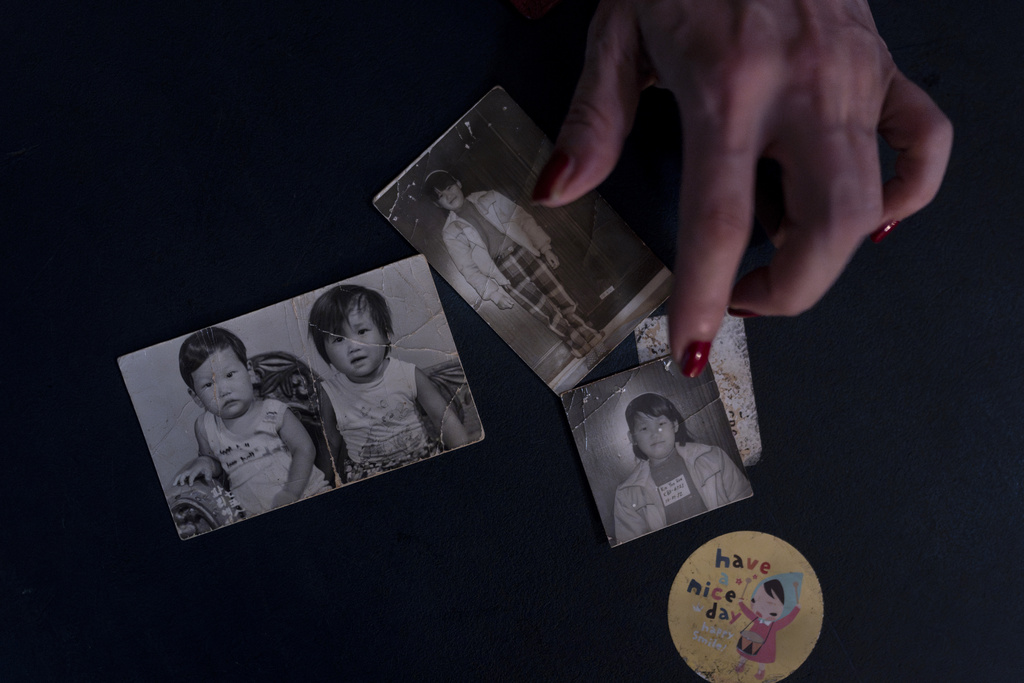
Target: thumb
{"x":603,"y":107}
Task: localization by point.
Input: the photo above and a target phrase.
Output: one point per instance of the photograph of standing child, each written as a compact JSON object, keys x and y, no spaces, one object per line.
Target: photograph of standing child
{"x":561,"y":286}
{"x":261,"y":447}
{"x":371,"y":402}
{"x":656,"y":446}
{"x":507,"y":258}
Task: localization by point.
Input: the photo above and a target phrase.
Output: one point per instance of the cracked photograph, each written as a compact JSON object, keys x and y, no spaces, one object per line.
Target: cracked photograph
{"x":730,"y":362}
{"x":561,"y":286}
{"x":296,"y":399}
{"x":656,"y":447}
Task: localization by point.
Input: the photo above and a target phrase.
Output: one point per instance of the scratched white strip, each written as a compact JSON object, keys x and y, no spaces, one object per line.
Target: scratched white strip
{"x":730,"y":362}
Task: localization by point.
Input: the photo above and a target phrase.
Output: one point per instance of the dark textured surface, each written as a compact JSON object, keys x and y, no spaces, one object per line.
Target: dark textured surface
{"x":166,"y":167}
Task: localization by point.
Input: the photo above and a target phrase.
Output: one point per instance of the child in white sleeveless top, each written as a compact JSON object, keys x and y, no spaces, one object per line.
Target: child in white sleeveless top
{"x":259,"y":444}
{"x":370,"y":401}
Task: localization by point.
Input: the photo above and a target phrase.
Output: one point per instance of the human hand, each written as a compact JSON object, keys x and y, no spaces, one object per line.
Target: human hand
{"x":807,"y":83}
{"x":550,"y":257}
{"x":200,"y":468}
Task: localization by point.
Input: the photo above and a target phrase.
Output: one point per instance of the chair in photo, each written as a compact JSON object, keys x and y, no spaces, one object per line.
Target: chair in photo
{"x":207,"y":505}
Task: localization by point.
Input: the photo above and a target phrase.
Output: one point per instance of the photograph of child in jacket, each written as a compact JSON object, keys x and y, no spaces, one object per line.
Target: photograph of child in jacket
{"x":674,"y":478}
{"x":656,"y":446}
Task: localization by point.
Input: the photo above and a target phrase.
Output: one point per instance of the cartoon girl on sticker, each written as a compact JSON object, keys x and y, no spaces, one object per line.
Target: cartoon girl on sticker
{"x":773,"y":607}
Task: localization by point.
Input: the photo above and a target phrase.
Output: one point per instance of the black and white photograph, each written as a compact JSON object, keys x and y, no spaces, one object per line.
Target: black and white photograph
{"x":561,"y":286}
{"x":296,"y":399}
{"x":656,"y":446}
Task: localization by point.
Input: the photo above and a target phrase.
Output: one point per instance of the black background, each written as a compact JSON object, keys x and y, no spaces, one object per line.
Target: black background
{"x":168,"y":166}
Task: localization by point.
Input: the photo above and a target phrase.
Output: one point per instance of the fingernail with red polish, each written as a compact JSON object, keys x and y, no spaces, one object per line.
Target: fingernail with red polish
{"x":878,"y":235}
{"x":552,"y":178}
{"x":695,"y":358}
{"x":742,"y":313}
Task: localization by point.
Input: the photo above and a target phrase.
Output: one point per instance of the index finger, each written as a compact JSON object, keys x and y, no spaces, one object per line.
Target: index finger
{"x":715,"y":217}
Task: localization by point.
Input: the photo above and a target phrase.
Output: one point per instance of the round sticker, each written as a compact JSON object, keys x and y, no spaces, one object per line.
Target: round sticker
{"x":745,"y":606}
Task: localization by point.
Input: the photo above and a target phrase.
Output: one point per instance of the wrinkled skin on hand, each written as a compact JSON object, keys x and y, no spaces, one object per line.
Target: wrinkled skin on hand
{"x":808,"y":83}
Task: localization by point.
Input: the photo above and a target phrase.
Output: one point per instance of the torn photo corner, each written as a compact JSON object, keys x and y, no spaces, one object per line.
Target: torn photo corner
{"x":730,"y":363}
{"x":562,"y":286}
{"x":656,"y":448}
{"x":303,"y":397}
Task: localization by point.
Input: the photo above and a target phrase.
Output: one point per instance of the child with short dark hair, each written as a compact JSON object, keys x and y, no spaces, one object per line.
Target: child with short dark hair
{"x":259,"y":444}
{"x":507,"y":258}
{"x":371,"y":400}
{"x":674,"y":478}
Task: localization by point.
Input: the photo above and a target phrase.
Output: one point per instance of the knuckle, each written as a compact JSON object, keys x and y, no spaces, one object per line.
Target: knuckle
{"x":744,"y":73}
{"x":790,"y":291}
{"x":841,"y":75}
{"x":602,"y":41}
{"x":612,"y":41}
{"x":731,"y":97}
{"x":937,"y":131}
{"x":808,"y":61}
{"x":918,"y":195}
{"x":792,"y":309}
{"x":790,"y":302}
{"x":935,"y":145}
{"x":722,"y":223}
{"x":852,"y":219}
{"x":585,"y":114}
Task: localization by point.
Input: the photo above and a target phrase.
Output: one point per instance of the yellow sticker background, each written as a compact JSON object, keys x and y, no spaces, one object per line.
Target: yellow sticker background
{"x":703,"y":584}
